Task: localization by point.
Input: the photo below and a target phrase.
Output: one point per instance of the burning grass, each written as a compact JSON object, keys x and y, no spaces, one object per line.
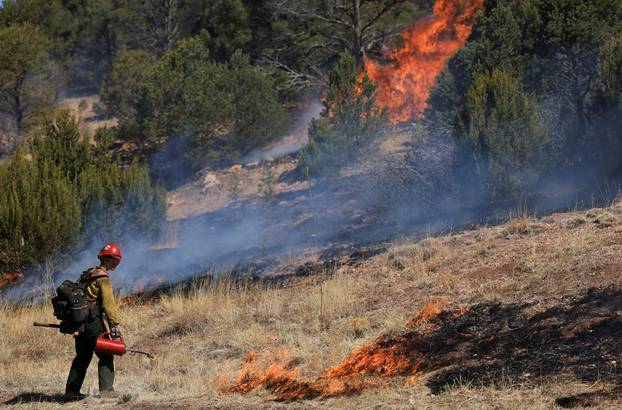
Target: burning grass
{"x":384,"y":357}
{"x":532,"y":332}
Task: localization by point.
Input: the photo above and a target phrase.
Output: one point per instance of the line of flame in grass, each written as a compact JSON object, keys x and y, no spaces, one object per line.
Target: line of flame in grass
{"x":371,"y":365}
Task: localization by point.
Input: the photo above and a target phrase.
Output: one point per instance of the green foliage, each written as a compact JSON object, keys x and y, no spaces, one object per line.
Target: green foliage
{"x":181,"y":92}
{"x":547,"y":44}
{"x":122,"y":203}
{"x":504,"y":37}
{"x":59,"y":140}
{"x":157,"y":24}
{"x":301,"y":39}
{"x":349,"y":121}
{"x":122,"y":91}
{"x":39,"y":212}
{"x":229,"y":109}
{"x":84,"y":35}
{"x":503,"y":133}
{"x":224,"y":27}
{"x":564,"y":52}
{"x":63,"y":193}
{"x":257,"y":117}
{"x":25,"y":89}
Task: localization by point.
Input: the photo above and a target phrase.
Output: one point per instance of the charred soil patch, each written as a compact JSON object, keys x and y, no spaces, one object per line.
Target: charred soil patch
{"x":487,"y":344}
{"x":579,"y":336}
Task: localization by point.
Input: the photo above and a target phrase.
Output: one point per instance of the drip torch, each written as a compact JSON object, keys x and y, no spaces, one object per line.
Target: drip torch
{"x":105,"y":344}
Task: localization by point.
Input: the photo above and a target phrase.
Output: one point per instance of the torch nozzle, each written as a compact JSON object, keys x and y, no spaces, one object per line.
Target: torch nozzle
{"x":151,"y":356}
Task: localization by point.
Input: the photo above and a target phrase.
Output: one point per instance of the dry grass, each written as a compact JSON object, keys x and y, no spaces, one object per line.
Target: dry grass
{"x":83,"y":108}
{"x":202,"y":337}
{"x":216,"y":190}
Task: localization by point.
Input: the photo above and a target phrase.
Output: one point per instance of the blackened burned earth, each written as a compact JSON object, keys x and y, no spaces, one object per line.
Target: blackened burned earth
{"x":487,"y":344}
{"x":248,"y":273}
{"x":579,"y":336}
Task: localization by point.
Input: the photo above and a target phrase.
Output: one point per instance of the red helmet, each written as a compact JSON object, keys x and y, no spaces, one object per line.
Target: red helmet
{"x":111,"y":250}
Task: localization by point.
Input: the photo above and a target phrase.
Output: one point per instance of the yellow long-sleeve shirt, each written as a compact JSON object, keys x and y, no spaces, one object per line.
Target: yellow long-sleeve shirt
{"x":99,"y":290}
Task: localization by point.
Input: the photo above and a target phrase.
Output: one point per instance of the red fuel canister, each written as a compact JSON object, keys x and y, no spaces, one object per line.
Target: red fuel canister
{"x":108,"y":346}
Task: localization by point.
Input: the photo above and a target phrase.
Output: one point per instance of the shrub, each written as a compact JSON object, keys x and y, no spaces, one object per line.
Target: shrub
{"x":502,"y":135}
{"x":62,"y":193}
{"x":349,"y":121}
{"x":39,"y":212}
{"x":227,"y":109}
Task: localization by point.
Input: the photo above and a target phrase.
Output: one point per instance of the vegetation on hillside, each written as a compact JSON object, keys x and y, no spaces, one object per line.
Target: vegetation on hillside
{"x":227,"y":108}
{"x":523,"y":312}
{"x":532,"y":302}
{"x":349,"y":121}
{"x":534,"y":94}
{"x":59,"y":193}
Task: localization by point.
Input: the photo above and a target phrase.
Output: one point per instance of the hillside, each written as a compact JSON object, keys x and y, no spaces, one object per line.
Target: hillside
{"x":521,"y":315}
{"x":267,"y":178}
{"x":327,"y":204}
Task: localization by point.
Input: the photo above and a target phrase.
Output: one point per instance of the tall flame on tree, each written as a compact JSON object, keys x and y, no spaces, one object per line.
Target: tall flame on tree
{"x":403,"y":86}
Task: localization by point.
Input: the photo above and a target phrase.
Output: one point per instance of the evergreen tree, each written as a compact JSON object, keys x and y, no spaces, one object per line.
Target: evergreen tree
{"x":122,"y":92}
{"x":553,"y":48}
{"x":503,"y":133}
{"x":63,"y":193}
{"x":39,"y":212}
{"x":257,"y":117}
{"x":25,"y":89}
{"x":84,"y":35}
{"x":227,"y":109}
{"x":350,"y":120}
{"x":224,"y":27}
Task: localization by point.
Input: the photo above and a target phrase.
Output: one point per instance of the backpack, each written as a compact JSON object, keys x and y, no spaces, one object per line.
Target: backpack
{"x":70,"y":303}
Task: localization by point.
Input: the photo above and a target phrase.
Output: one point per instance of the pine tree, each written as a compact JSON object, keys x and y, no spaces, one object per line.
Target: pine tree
{"x":62,"y":193}
{"x":350,"y":120}
{"x":503,"y":132}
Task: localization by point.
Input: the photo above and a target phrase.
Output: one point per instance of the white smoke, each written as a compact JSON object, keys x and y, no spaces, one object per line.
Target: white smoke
{"x":293,"y":141}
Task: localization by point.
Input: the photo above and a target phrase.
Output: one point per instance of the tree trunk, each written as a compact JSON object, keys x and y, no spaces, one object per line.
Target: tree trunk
{"x":357,"y":29}
{"x":18,"y":113}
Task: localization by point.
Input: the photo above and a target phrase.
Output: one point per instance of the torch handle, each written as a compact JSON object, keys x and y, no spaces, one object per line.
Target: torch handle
{"x":54,"y":325}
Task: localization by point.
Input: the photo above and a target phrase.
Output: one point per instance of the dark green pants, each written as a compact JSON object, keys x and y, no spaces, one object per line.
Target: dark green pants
{"x":85,"y":347}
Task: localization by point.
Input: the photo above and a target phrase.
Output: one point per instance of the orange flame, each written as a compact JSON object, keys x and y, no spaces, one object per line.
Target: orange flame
{"x":10,"y":278}
{"x":384,"y":357}
{"x":404,"y":85}
{"x":282,"y":377}
{"x":429,"y":311}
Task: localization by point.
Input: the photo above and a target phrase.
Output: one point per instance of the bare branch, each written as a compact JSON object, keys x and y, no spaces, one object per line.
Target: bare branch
{"x":388,"y":6}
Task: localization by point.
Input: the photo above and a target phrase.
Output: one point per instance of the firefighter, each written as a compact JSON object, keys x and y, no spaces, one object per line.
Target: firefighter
{"x":99,"y":294}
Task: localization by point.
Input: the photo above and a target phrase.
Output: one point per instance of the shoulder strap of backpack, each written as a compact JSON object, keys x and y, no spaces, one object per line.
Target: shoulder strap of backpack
{"x":92,"y":274}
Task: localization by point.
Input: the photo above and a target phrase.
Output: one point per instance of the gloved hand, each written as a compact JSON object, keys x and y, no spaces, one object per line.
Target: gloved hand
{"x":115,"y":333}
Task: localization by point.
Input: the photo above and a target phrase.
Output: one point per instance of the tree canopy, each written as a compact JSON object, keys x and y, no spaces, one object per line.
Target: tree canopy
{"x":25,"y":71}
{"x":60,"y":193}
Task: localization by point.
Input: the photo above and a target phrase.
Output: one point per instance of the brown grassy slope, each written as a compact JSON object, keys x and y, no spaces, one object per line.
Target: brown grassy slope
{"x":202,"y":338}
{"x":214,"y":190}
{"x":83,"y":109}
